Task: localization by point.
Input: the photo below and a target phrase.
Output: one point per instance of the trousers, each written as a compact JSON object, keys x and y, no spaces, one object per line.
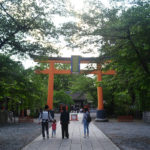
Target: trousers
{"x":45,"y":128}
{"x":53,"y":133}
{"x":64,"y":128}
{"x":86,"y":128}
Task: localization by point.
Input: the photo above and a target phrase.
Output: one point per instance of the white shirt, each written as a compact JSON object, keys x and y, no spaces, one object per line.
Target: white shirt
{"x":45,"y":116}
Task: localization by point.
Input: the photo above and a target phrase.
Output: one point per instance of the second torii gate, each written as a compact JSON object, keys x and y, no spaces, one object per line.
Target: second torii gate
{"x":51,"y":71}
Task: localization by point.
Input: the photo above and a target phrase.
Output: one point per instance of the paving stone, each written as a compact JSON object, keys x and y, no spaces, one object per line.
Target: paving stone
{"x":96,"y":141}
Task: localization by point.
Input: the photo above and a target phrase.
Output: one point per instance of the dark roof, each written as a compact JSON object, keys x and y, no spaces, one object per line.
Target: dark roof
{"x":77,"y":95}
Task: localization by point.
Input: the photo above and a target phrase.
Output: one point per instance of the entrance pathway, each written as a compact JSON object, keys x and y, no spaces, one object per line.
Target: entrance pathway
{"x":96,"y":141}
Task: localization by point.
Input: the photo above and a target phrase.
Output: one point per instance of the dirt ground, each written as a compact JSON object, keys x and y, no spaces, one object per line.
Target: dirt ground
{"x":127,"y":135}
{"x":15,"y":136}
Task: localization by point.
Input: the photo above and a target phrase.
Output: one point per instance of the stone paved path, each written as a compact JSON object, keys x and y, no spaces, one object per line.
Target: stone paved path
{"x":76,"y":141}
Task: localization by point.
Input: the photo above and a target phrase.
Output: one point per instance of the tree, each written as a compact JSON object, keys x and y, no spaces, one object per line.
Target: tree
{"x":122,"y":34}
{"x":60,"y":97}
{"x":85,"y":85}
{"x":26,"y":27}
{"x":21,"y":89}
{"x":125,"y":39}
{"x":62,"y":82}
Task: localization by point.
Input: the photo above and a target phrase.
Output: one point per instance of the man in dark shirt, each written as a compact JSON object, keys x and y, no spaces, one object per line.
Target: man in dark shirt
{"x":64,"y":121}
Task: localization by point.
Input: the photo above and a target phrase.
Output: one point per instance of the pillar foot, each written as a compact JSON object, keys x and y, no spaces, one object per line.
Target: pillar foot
{"x":101,"y":120}
{"x":101,"y":116}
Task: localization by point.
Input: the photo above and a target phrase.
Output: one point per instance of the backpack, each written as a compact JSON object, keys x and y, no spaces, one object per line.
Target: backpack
{"x":49,"y":114}
{"x":88,"y":118}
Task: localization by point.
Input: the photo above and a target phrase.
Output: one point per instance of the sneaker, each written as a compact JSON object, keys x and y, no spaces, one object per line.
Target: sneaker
{"x":48,"y":136}
{"x":84,"y":136}
{"x":43,"y":138}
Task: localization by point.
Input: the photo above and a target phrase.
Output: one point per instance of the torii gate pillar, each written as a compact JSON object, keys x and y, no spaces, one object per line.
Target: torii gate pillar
{"x":100,"y":116}
{"x":50,"y":86}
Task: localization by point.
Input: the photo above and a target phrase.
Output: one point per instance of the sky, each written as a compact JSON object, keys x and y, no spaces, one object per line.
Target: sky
{"x":77,"y":5}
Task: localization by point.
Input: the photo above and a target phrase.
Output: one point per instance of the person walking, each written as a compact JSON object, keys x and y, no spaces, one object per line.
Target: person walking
{"x":64,"y":121}
{"x":54,"y":128}
{"x":86,"y":121}
{"x":44,"y":118}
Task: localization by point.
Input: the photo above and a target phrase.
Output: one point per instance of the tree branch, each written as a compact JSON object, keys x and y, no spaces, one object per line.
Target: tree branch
{"x":143,"y":63}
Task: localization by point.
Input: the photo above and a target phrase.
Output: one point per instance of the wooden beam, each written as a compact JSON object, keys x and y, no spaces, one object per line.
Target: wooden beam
{"x":50,"y":86}
{"x":54,"y":61}
{"x":62,"y":71}
{"x":109,"y":72}
{"x":68,"y":60}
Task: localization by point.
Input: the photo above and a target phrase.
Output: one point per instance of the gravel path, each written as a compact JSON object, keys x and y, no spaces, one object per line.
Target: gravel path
{"x":15,"y":136}
{"x":127,"y":135}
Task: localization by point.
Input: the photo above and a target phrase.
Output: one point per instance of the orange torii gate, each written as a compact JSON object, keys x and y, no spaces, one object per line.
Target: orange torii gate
{"x":51,"y":71}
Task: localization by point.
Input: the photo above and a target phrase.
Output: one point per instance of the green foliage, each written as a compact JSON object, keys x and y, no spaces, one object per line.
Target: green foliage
{"x":128,"y":45}
{"x":85,"y":85}
{"x":60,"y":97}
{"x":25,"y":29}
{"x":123,"y":103}
{"x":20,"y":88}
{"x":62,"y":81}
{"x":122,"y":34}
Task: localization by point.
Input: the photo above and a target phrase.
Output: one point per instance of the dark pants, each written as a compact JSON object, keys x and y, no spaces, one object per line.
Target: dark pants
{"x":64,"y":128}
{"x":45,"y":127}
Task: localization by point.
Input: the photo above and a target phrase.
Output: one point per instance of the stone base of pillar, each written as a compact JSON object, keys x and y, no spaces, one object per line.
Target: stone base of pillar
{"x":101,"y":116}
{"x":101,"y":120}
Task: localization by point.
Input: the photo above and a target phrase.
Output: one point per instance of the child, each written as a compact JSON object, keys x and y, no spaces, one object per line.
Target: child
{"x":54,"y":128}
